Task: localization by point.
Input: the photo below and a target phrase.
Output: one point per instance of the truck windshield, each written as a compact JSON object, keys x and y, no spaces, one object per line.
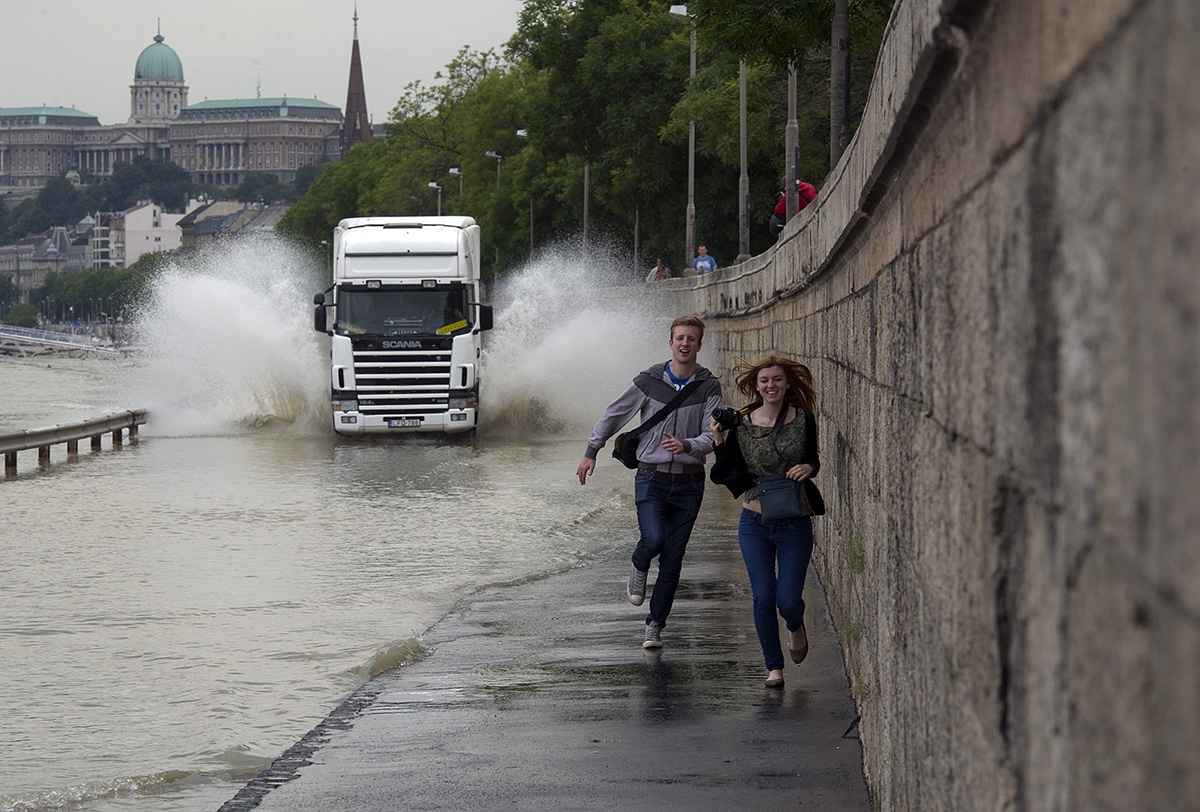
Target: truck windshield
{"x":409,"y":312}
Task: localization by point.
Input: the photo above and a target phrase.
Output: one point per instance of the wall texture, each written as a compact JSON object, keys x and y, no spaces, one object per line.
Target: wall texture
{"x":998,"y":292}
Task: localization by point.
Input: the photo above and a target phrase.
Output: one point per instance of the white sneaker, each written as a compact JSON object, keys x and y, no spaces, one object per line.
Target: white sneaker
{"x":637,"y":585}
{"x":653,"y":635}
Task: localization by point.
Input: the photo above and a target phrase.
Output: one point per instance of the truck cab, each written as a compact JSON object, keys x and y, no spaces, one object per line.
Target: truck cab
{"x":405,"y":325}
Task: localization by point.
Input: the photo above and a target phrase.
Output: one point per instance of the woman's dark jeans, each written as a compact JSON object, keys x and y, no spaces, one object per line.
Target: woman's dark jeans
{"x":666,"y":512}
{"x":787,"y":543}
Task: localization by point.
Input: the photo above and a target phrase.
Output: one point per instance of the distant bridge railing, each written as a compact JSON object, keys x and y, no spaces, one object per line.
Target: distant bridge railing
{"x":71,"y":434}
{"x":26,"y":341}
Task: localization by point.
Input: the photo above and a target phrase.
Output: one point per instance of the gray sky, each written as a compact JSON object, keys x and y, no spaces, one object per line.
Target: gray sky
{"x":80,"y":53}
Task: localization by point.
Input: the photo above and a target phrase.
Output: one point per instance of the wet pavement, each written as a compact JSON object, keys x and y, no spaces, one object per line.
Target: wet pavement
{"x":538,"y":696}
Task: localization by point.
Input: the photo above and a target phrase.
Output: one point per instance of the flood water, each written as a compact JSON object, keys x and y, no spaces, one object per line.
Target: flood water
{"x":180,"y":610}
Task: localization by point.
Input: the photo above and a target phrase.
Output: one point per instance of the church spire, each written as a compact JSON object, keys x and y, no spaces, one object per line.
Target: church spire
{"x":356,"y":127}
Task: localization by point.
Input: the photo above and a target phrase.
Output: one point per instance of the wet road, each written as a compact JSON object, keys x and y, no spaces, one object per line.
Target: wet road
{"x":539,"y":696}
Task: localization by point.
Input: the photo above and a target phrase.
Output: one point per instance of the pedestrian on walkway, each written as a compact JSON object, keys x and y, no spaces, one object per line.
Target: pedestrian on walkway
{"x":669,"y":485}
{"x":703,"y":263}
{"x":777,"y":436}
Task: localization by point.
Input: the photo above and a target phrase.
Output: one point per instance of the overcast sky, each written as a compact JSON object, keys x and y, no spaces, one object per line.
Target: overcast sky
{"x":80,"y":53}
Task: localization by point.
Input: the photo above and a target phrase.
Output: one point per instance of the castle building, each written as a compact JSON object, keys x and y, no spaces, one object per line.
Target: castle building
{"x":218,"y":142}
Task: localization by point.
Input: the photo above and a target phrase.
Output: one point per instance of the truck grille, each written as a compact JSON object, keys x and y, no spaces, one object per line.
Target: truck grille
{"x":399,"y":383}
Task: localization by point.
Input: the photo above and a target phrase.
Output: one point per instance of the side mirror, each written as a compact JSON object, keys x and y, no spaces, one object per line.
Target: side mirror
{"x":484,"y":322}
{"x":320,"y":314}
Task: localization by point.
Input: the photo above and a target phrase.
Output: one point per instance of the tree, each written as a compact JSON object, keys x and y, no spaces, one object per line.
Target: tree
{"x":264,"y":187}
{"x":8,"y":291}
{"x":336,"y":194}
{"x":22,"y":315}
{"x":780,"y":33}
{"x":159,"y":180}
{"x":306,"y":174}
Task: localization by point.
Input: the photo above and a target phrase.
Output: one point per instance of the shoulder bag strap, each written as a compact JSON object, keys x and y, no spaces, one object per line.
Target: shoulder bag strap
{"x":661,"y":415}
{"x":779,"y":425}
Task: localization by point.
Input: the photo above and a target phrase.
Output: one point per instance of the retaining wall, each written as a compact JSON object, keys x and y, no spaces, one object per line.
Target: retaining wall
{"x":998,"y":291}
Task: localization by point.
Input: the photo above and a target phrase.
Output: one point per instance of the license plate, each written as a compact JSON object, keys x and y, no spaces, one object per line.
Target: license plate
{"x":405,"y":423}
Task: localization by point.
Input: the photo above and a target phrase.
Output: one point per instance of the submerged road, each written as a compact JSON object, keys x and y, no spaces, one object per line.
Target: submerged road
{"x":539,"y":696}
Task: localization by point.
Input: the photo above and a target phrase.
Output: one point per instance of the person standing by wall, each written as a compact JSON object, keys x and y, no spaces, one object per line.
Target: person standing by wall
{"x":669,"y":485}
{"x":777,"y":436}
{"x":659,"y":272}
{"x":703,"y":263}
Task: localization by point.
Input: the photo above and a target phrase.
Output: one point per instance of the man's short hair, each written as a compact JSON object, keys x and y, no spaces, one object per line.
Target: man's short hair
{"x":690,"y":320}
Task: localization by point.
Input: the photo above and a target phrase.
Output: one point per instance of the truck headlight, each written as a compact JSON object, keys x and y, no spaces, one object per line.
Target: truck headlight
{"x":458,"y":403}
{"x":345,"y":405}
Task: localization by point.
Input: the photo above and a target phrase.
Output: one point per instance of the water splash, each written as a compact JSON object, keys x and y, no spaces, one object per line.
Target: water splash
{"x":229,"y":345}
{"x":569,"y":337}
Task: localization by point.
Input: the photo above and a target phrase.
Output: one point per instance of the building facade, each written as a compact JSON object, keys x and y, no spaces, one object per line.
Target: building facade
{"x":217,"y":142}
{"x":220,"y":142}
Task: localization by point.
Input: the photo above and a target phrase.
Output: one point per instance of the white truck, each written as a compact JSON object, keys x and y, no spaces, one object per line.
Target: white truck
{"x":404,"y":324}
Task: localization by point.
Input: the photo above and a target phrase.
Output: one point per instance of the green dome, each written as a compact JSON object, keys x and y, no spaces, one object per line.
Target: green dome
{"x":159,"y":62}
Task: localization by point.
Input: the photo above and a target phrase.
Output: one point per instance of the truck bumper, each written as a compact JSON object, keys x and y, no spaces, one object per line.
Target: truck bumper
{"x":455,"y":421}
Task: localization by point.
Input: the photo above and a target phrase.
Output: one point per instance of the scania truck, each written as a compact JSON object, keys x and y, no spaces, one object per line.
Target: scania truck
{"x":405,"y":324}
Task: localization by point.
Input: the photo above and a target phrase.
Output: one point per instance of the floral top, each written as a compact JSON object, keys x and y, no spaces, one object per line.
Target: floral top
{"x":760,"y":455}
{"x":747,"y":454}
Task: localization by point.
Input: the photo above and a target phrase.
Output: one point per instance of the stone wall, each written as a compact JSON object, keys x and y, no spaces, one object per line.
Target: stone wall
{"x":998,"y":291}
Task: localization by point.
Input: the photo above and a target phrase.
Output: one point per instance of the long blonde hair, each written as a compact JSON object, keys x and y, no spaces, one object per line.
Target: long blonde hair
{"x":800,"y":392}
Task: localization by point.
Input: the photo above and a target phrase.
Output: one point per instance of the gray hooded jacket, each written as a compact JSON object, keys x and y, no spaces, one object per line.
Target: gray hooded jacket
{"x":647,"y":393}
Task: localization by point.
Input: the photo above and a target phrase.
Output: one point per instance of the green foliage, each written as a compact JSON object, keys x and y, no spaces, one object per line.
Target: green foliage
{"x":159,"y":180}
{"x":336,"y":194}
{"x":779,"y":32}
{"x":855,"y":552}
{"x":97,"y":293}
{"x":603,"y":84}
{"x":264,"y":187}
{"x":8,"y":291}
{"x":22,"y":315}
{"x":851,"y":632}
{"x":306,"y":174}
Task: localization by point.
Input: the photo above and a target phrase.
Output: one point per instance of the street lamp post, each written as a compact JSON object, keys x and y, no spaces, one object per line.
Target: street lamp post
{"x":454,"y":170}
{"x":438,"y":186}
{"x":682,"y":11}
{"x":791,"y":146}
{"x":744,"y":178}
{"x":524,"y":134}
{"x":491,"y":153}
{"x":839,"y":118}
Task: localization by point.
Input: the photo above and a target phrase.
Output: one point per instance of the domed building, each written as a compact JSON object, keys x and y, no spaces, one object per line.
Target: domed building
{"x":158,"y":91}
{"x":217,"y":141}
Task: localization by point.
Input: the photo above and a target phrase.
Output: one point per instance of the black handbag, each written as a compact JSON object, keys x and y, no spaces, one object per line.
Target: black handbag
{"x":779,"y":497}
{"x":625,"y":445}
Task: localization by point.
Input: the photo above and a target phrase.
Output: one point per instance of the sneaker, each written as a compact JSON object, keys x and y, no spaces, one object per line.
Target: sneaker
{"x":637,"y":585}
{"x":653,"y":635}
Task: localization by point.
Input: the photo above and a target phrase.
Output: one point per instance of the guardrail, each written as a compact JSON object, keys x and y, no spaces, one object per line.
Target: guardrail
{"x":70,"y":433}
{"x":25,"y":341}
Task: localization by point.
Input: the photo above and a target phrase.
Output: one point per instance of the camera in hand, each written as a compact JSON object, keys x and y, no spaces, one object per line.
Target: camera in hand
{"x":728,"y":418}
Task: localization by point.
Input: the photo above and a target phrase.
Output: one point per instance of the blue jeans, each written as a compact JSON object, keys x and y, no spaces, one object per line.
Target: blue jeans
{"x":666,"y":512}
{"x":788,"y":543}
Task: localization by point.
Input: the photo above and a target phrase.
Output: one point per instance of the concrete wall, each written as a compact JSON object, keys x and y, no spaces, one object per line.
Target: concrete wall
{"x":998,"y":292}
